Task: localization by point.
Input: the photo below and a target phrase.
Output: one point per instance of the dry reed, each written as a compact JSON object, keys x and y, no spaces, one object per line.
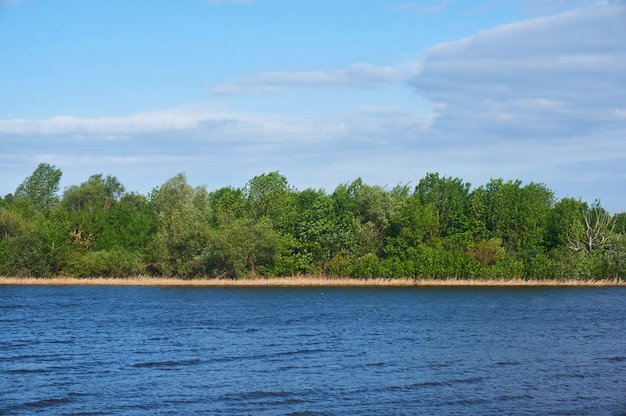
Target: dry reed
{"x":300,"y":281}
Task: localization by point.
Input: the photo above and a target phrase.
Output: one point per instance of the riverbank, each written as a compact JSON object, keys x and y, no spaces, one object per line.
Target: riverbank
{"x":300,"y":281}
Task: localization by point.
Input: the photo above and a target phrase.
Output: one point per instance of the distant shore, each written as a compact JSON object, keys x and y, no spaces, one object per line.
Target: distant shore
{"x":298,"y":281}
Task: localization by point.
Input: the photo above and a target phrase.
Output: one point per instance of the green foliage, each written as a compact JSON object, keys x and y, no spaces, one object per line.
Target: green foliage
{"x":27,"y":254}
{"x":413,"y":225}
{"x":566,"y":214}
{"x":311,"y":238}
{"x":367,"y":266}
{"x":269,"y":195}
{"x":615,"y":258}
{"x":619,"y":221}
{"x":509,"y":268}
{"x":58,"y":231}
{"x":440,"y":230}
{"x":12,"y":223}
{"x":227,"y":204}
{"x":182,"y":231}
{"x":243,"y":247}
{"x":116,"y":262}
{"x":363,"y":218}
{"x":40,"y":188}
{"x":451,"y":198}
{"x":488,"y":252}
{"x":129,"y":223}
{"x":519,"y":216}
{"x":97,"y":192}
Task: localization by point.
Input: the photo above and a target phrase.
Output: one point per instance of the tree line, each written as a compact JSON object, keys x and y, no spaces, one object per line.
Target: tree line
{"x":441,"y":229}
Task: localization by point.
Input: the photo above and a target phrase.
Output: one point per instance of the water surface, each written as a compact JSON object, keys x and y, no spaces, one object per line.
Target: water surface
{"x":314,"y":351}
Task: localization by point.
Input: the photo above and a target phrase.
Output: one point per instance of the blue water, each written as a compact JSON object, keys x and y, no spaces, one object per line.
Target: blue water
{"x":312,"y":351}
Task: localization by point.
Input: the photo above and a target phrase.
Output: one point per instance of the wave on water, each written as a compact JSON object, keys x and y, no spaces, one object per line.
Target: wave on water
{"x":26,"y":370}
{"x":48,"y":402}
{"x":168,"y":363}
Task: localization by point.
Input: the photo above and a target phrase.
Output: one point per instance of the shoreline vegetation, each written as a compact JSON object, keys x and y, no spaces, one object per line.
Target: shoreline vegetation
{"x":442,"y":229}
{"x":302,"y":281}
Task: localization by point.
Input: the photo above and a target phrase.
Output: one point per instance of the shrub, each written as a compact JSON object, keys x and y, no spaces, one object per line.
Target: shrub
{"x":26,"y":255}
{"x":117,"y":262}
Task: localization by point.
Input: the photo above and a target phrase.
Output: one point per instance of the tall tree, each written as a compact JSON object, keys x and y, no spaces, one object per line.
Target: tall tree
{"x":309,"y":241}
{"x":227,"y":204}
{"x":240,"y":247}
{"x":269,"y":195}
{"x":182,"y":232}
{"x":413,"y":226}
{"x":40,"y":189}
{"x":566,"y":214}
{"x":450,"y":196}
{"x":97,"y":192}
{"x":537,"y":202}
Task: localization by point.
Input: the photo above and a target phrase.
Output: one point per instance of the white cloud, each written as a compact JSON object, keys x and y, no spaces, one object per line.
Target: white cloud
{"x":361,"y":75}
{"x":198,"y":122}
{"x":148,"y":148}
{"x":550,"y":76}
{"x":181,"y":118}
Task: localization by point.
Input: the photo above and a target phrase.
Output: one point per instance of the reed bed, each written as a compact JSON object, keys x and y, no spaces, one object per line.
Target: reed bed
{"x":299,"y":281}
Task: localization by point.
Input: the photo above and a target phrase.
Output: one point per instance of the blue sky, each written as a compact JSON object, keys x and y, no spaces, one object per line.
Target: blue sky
{"x":322,"y":91}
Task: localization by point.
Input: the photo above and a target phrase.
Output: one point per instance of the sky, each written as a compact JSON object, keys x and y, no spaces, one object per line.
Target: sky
{"x":323,"y":92}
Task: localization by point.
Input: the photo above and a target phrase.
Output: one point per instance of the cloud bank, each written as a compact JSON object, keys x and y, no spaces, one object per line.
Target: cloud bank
{"x":360,"y":75}
{"x":556,"y":76}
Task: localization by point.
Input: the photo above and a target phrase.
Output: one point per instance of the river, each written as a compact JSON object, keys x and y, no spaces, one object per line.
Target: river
{"x":68,"y":350}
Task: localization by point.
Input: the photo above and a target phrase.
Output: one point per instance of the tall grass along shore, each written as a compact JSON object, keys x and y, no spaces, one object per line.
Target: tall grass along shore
{"x":300,"y":281}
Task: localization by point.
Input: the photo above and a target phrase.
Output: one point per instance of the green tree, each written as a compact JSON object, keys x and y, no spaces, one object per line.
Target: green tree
{"x":620,"y":222}
{"x":414,"y":225}
{"x":107,"y":227}
{"x":502,"y":202}
{"x":12,"y":223}
{"x":58,"y":230}
{"x":363,"y":215}
{"x":451,"y":198}
{"x":517,"y":215}
{"x":309,"y":242}
{"x":566,"y":214}
{"x":25,"y":255}
{"x":182,"y":228}
{"x":227,"y":204}
{"x":241,"y":247}
{"x":536,"y":206}
{"x":128,"y":223}
{"x":40,"y":189}
{"x":269,"y":195}
{"x":98,"y":192}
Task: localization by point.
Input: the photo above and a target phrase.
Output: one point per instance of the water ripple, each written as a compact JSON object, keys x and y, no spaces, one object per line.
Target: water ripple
{"x":294,"y":351}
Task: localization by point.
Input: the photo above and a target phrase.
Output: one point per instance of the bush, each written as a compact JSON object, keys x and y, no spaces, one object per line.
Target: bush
{"x":540,"y":267}
{"x":367,"y":266}
{"x":488,"y":252}
{"x":26,"y":255}
{"x":116,"y":262}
